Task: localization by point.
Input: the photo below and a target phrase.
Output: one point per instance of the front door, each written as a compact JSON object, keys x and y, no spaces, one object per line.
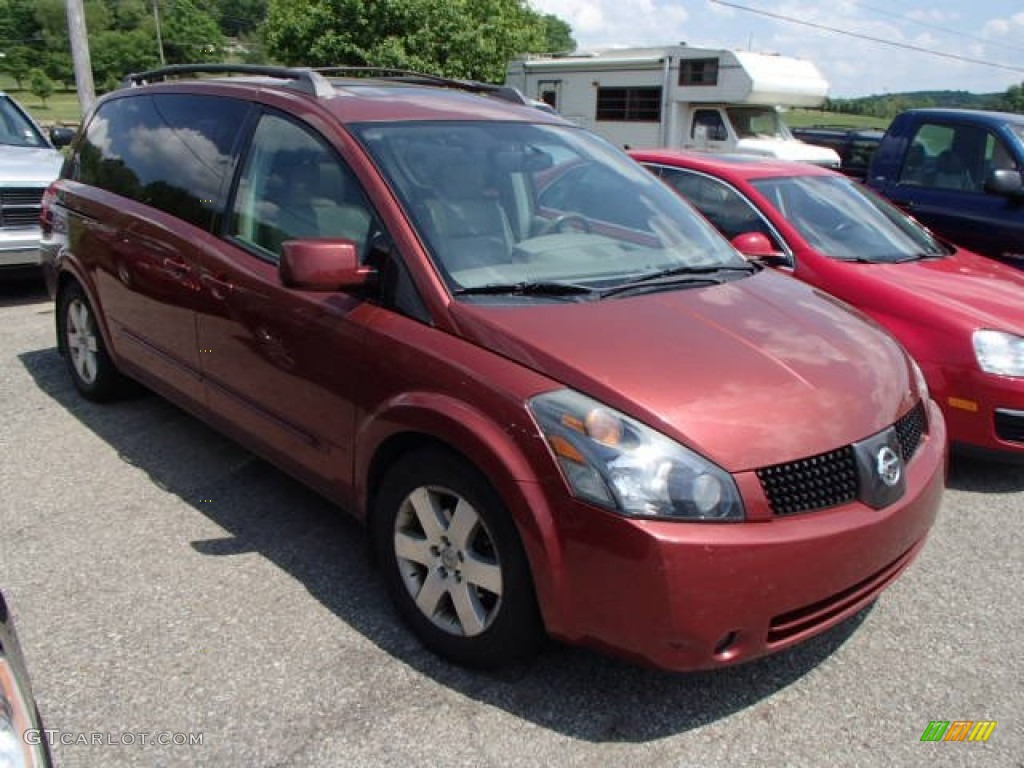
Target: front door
{"x":283,"y":365}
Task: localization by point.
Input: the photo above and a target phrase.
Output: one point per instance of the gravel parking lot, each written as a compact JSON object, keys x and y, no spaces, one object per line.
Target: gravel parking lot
{"x":169,"y":585}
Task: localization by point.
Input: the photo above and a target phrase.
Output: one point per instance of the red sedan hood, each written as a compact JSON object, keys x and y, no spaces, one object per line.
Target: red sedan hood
{"x":749,"y":373}
{"x":984,"y":292}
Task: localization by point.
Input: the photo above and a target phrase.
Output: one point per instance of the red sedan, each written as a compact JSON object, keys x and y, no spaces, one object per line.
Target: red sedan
{"x":959,"y":314}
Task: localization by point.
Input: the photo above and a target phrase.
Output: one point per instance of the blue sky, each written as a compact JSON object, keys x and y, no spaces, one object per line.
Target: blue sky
{"x":990,"y":31}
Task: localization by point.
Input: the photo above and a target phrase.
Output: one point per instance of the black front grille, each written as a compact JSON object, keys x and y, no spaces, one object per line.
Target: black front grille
{"x":818,"y":482}
{"x":1010,"y":425}
{"x":20,"y":207}
{"x":910,"y":428}
{"x":830,"y":479}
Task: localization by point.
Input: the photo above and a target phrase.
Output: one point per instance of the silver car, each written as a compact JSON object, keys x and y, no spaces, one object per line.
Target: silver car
{"x":29,"y":161}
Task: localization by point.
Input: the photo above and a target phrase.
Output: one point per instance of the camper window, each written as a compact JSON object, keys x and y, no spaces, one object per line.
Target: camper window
{"x":698,"y":72}
{"x":629,"y":104}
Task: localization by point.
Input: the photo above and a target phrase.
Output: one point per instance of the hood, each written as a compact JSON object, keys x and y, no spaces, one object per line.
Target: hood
{"x":791,"y":149}
{"x":29,"y":166}
{"x":971,"y":290}
{"x":753,"y":372}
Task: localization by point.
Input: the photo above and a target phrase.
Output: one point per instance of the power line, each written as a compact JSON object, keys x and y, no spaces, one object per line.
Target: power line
{"x":947,"y":30}
{"x":880,"y":40}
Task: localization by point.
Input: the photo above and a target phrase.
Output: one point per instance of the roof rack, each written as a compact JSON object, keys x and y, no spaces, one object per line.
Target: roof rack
{"x":504,"y":92}
{"x":304,"y":79}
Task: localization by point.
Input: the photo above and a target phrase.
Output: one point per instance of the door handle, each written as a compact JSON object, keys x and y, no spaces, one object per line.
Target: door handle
{"x":219,"y":285}
{"x":175,"y":267}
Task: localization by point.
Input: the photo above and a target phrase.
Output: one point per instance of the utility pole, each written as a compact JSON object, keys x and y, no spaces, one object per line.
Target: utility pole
{"x":80,"y":54}
{"x":159,"y":38}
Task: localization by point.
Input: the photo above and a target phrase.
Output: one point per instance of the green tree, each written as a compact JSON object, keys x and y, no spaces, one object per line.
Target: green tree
{"x":190,"y":34}
{"x":58,"y":67}
{"x":456,"y":38}
{"x":17,"y":63}
{"x":40,"y":85}
{"x":52,"y":17}
{"x":116,"y":53}
{"x":240,"y":17}
{"x":130,"y":15}
{"x":1013,"y":99}
{"x":557,"y":34}
{"x":18,"y":25}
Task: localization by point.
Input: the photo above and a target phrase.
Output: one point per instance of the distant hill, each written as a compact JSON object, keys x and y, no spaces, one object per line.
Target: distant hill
{"x":887,"y":105}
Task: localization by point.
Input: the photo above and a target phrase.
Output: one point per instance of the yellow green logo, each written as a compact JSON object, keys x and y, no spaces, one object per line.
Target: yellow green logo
{"x":958,"y":730}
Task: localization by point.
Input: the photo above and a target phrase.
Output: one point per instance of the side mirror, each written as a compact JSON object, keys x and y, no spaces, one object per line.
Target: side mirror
{"x":322,"y":265}
{"x":756,"y":246}
{"x":61,"y":136}
{"x":1003,"y":181}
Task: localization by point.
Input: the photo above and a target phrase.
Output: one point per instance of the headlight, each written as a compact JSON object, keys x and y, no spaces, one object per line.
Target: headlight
{"x":1000,"y":353}
{"x":616,"y":462}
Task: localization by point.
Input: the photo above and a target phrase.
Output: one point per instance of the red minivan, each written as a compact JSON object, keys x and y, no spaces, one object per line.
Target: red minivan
{"x":561,"y":402}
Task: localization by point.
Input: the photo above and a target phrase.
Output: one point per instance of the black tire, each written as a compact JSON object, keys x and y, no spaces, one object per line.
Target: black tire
{"x":78,"y":336}
{"x":472,"y":567}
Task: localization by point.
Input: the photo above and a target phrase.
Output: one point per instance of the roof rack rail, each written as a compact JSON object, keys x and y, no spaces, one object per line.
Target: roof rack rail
{"x":504,"y":92}
{"x":304,"y":79}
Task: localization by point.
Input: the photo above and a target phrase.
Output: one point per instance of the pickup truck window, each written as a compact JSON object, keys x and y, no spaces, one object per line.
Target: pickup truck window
{"x":954,"y":157}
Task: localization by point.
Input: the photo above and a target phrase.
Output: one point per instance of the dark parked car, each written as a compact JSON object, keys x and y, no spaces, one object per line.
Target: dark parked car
{"x":855,"y":146}
{"x":958,"y":172}
{"x":554,"y":415}
{"x":22,"y":742}
{"x":960,"y":315}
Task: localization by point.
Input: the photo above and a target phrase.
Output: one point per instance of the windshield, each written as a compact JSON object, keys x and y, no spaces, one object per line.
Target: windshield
{"x":1018,"y":130}
{"x":758,"y":123}
{"x":504,"y":203}
{"x":839,"y":218}
{"x":15,"y":128}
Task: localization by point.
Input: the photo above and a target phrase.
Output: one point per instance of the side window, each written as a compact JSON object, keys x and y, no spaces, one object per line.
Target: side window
{"x":293,"y":186}
{"x":708,"y":126}
{"x":997,"y":156}
{"x":170,"y":151}
{"x":722,"y":205}
{"x":947,"y":157}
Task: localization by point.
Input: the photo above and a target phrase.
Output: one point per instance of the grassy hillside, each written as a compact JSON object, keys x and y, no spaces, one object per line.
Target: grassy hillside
{"x":800,"y":118}
{"x":62,"y":107}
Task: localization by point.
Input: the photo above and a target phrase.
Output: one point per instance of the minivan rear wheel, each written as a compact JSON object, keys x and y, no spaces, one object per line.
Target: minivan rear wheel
{"x":453,"y":561}
{"x":90,"y":366}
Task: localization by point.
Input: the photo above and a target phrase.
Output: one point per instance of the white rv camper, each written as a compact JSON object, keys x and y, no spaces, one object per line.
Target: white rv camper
{"x":680,"y":97}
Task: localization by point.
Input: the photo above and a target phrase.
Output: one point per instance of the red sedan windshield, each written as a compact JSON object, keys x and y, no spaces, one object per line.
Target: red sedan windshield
{"x":840,"y":219}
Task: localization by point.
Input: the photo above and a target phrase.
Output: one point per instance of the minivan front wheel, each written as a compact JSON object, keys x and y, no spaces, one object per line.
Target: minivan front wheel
{"x":91,"y":368}
{"x":453,"y":561}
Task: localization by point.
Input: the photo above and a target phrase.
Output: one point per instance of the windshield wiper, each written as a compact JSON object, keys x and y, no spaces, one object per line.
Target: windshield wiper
{"x":921,"y":257}
{"x":524,"y":289}
{"x":676,"y":275}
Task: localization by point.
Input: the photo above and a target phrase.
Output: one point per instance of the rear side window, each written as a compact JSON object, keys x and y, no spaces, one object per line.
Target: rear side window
{"x":170,"y":151}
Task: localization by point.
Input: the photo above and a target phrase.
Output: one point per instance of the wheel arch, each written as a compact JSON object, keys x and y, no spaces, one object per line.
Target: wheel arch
{"x":443,"y":423}
{"x":65,"y":278}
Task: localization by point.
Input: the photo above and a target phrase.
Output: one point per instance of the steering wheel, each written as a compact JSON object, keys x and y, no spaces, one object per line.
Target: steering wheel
{"x":566,"y":223}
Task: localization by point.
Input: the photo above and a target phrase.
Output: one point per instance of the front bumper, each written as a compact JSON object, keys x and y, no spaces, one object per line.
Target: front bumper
{"x":19,"y":247}
{"x":689,"y":596}
{"x":985,"y":414}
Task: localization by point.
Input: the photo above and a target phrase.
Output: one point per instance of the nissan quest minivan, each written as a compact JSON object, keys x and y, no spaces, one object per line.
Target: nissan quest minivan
{"x":560,"y":401}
